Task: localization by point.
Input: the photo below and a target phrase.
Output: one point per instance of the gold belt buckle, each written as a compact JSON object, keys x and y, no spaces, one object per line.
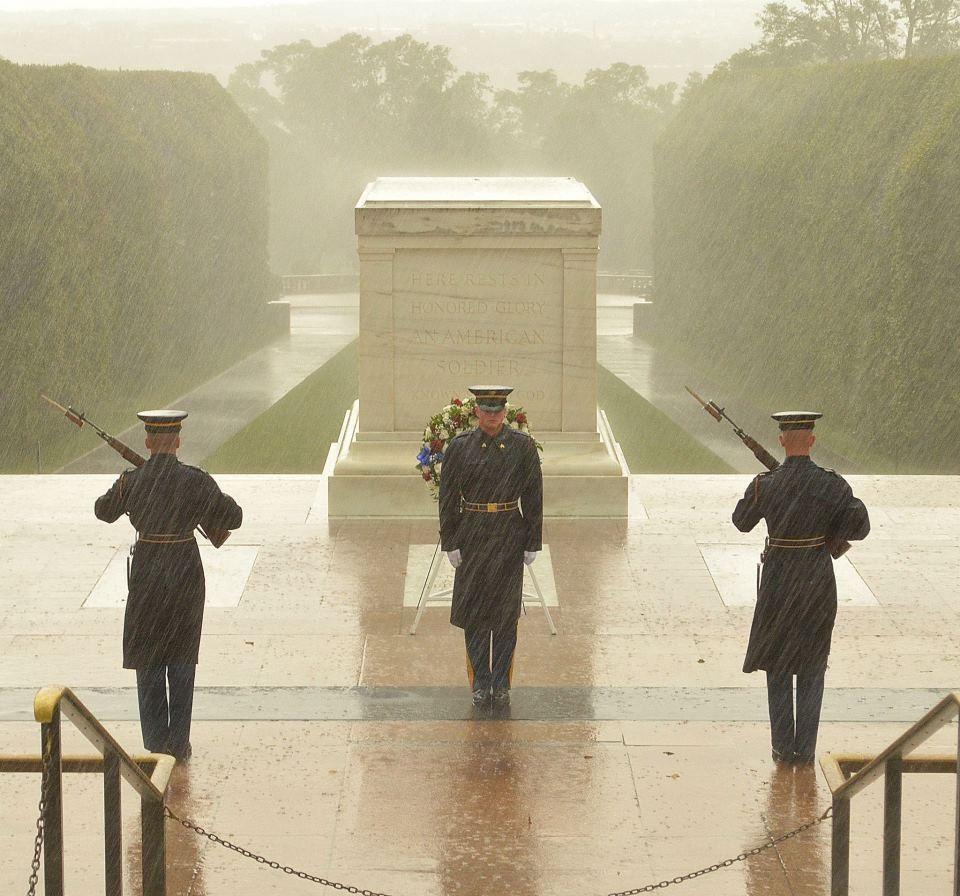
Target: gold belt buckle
{"x":492,"y":508}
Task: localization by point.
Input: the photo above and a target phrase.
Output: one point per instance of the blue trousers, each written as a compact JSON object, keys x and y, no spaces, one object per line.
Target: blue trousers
{"x":165,"y":724}
{"x":490,"y":665}
{"x":795,"y":736}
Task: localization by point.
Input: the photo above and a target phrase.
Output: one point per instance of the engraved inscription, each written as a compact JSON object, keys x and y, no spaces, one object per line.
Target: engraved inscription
{"x":467,"y":316}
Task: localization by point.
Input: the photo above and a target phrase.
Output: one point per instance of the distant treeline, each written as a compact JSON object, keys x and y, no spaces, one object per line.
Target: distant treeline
{"x":807,"y":233}
{"x":133,"y":246}
{"x":340,"y":115}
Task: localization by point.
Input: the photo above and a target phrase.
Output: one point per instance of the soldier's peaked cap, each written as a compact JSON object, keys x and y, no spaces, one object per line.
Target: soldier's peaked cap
{"x":796,"y":419}
{"x":166,"y":420}
{"x":491,"y":398}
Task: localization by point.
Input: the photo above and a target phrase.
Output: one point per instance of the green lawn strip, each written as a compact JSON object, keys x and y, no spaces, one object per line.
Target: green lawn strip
{"x":294,"y":435}
{"x":651,"y":442}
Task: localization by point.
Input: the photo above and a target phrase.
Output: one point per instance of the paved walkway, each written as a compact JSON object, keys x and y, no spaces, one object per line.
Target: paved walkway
{"x":319,"y":328}
{"x":328,"y":738}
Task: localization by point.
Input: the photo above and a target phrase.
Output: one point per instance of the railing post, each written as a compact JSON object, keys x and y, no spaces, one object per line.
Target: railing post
{"x":154,"y":848}
{"x":112,"y":825}
{"x":840,"y":848}
{"x":53,"y":808}
{"x":892,"y":802}
{"x":956,"y":833}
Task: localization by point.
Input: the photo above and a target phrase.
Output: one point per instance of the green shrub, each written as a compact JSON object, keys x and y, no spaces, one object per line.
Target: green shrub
{"x":133,"y":246}
{"x":807,"y":225}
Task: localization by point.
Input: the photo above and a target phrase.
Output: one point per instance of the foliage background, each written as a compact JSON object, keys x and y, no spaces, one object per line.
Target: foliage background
{"x":133,"y":245}
{"x":340,"y":115}
{"x":806,"y":244}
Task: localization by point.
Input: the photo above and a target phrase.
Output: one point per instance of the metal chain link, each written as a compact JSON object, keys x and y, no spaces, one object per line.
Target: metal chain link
{"x":649,"y":888}
{"x":42,"y":807}
{"x":726,"y":863}
{"x":286,"y":869}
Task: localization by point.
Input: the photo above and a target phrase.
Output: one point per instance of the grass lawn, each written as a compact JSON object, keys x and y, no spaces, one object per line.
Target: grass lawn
{"x":294,"y":435}
{"x":651,"y":442}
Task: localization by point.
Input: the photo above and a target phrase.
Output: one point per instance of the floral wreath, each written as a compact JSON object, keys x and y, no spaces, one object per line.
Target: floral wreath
{"x":456,"y":418}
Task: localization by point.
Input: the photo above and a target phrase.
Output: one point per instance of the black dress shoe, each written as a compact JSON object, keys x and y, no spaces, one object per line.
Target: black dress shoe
{"x":480,"y":696}
{"x":501,"y":697}
{"x":781,"y":757}
{"x":803,"y":760}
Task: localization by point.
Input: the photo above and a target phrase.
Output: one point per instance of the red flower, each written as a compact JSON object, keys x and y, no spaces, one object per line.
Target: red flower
{"x":426,"y":476}
{"x":436,"y":445}
{"x":457,"y":402}
{"x":521,"y":419}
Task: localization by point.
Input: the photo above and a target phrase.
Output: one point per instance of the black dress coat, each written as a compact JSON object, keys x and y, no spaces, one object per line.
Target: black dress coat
{"x":797,"y":603}
{"x":164,"y":614}
{"x":487,"y":587}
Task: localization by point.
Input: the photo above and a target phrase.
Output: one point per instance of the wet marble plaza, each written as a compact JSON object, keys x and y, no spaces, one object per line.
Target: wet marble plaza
{"x":330,"y":739}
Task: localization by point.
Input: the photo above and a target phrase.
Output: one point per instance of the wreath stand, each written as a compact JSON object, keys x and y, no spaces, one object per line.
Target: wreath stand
{"x":445,"y":595}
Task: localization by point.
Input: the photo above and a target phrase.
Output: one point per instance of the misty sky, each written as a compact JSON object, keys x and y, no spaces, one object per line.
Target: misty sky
{"x":18,"y":5}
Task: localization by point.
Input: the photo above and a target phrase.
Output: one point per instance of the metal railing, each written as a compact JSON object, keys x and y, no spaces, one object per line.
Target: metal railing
{"x":638,"y":283}
{"x":50,"y":705}
{"x":848,"y":774}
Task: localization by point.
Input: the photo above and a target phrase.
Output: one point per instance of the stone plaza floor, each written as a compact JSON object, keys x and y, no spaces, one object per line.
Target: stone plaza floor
{"x":330,"y":739}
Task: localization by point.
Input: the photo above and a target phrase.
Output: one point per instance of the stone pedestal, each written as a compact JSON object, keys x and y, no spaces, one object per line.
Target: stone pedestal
{"x":477,"y":280}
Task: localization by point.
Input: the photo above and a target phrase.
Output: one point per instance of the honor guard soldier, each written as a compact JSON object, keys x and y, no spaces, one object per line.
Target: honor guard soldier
{"x":166,"y":501}
{"x":491,"y":521}
{"x":806,"y":508}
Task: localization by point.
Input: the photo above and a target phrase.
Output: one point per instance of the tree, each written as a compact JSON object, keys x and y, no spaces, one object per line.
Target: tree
{"x":817,"y":31}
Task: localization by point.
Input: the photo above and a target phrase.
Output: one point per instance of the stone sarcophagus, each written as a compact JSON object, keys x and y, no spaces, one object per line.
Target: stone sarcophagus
{"x":477,"y":280}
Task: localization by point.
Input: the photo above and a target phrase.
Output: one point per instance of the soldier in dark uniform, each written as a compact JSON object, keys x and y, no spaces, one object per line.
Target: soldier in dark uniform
{"x":166,"y":500}
{"x":804,"y":506}
{"x":491,"y":520}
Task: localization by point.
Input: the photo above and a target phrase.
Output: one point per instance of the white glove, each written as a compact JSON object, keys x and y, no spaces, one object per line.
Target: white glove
{"x":529,"y":556}
{"x":454,"y":558}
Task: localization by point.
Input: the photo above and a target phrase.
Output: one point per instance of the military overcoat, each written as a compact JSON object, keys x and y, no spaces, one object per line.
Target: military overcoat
{"x":482,"y":469}
{"x":797,"y":600}
{"x":164,"y":614}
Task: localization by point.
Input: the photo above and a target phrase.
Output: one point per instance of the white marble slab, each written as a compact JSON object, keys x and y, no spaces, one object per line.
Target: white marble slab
{"x":418,"y":564}
{"x":475,"y":191}
{"x":734,"y":571}
{"x":226,"y":571}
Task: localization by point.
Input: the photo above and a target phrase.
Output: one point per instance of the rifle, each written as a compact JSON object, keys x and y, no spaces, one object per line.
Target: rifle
{"x":216,"y":536}
{"x":836,"y":546}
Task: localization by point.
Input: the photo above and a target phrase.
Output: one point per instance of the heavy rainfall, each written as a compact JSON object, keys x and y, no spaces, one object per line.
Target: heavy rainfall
{"x":471,"y":447}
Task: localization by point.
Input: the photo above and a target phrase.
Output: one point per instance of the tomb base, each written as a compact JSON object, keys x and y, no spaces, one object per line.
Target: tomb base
{"x":375,"y":475}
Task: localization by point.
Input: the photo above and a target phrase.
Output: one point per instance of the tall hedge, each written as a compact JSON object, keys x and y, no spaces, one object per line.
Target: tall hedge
{"x":807,"y":249}
{"x":133,"y":246}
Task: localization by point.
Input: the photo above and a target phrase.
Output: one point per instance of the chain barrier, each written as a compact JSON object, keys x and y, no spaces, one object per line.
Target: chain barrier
{"x":286,"y":869}
{"x":649,"y":888}
{"x":726,"y":863}
{"x":42,"y":808}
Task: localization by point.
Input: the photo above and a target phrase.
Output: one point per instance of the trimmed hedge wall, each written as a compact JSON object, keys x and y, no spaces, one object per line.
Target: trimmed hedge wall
{"x":807,"y":249}
{"x":133,"y":247}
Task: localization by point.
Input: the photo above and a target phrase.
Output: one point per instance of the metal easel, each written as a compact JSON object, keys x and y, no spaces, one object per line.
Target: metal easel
{"x":429,"y":596}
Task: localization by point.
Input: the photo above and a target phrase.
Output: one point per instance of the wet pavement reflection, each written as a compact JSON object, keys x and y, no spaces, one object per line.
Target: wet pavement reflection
{"x":329,"y":739}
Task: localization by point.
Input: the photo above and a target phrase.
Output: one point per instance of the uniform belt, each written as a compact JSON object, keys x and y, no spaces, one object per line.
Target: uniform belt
{"x":474,"y":507}
{"x":814,"y":541}
{"x":165,"y":538}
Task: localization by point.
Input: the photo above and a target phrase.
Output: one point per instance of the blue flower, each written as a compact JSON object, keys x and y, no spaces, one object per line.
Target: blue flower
{"x":424,"y":456}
